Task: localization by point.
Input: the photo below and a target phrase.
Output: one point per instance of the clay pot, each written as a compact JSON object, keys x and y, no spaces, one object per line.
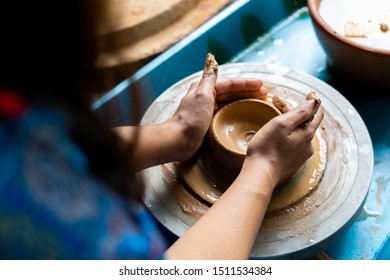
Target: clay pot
{"x":231,"y":129}
{"x":349,"y":60}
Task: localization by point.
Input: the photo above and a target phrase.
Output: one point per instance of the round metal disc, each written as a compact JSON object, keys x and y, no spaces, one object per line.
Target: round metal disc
{"x":303,"y":229}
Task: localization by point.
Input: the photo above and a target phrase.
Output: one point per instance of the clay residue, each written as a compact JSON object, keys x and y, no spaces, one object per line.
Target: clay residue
{"x":366,"y":213}
{"x":354,"y":29}
{"x":211,"y":63}
{"x":381,"y":185}
{"x":378,"y":196}
{"x":188,"y":203}
{"x":383,"y":27}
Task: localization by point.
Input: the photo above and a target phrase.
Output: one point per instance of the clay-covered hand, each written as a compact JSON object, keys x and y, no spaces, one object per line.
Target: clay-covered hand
{"x":196,"y":109}
{"x":284,"y":144}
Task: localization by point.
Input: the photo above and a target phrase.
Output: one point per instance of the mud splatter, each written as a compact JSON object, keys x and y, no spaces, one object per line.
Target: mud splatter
{"x":368,"y":213}
{"x":379,"y":183}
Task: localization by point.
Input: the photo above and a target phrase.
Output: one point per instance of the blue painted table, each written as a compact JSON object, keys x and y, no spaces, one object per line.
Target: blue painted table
{"x":293,"y":43}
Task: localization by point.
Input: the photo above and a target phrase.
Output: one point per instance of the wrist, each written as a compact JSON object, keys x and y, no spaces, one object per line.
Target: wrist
{"x":264,"y":169}
{"x":187,"y":138}
{"x":180,"y":144}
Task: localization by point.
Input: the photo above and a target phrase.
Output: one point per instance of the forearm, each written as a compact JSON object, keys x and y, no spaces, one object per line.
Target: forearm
{"x":229,"y":228}
{"x":153,"y":144}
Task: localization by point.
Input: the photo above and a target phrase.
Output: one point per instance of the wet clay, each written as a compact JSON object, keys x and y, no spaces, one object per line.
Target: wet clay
{"x":211,"y":171}
{"x":231,"y":129}
{"x":187,"y":201}
{"x":209,"y":185}
{"x":305,"y":181}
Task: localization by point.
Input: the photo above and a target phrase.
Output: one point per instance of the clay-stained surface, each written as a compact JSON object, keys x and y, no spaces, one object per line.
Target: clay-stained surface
{"x":339,"y":185}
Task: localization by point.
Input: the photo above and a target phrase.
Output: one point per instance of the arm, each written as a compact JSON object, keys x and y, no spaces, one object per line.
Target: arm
{"x":229,"y":228}
{"x":154,"y":144}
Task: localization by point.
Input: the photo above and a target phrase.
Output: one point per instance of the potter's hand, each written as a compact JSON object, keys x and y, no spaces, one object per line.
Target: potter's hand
{"x":283,"y":145}
{"x":276,"y":151}
{"x":197,"y":107}
{"x":180,"y":137}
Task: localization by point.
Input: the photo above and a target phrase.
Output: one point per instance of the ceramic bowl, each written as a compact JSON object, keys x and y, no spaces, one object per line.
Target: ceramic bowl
{"x":347,"y":59}
{"x":231,"y":130}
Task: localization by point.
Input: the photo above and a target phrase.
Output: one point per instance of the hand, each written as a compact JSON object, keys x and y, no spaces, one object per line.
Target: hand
{"x":283,"y":145}
{"x":197,"y":107}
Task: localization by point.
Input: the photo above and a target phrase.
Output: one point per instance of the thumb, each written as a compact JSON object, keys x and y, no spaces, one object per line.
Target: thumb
{"x":209,"y":77}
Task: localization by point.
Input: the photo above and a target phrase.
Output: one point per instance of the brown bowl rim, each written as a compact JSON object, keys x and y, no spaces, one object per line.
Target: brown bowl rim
{"x":214,"y":134}
{"x":317,"y":17}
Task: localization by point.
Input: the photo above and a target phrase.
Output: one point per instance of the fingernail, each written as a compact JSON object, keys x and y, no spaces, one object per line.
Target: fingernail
{"x":311,"y":95}
{"x":311,"y":103}
{"x":315,"y":104}
{"x":279,"y":103}
{"x":279,"y":100}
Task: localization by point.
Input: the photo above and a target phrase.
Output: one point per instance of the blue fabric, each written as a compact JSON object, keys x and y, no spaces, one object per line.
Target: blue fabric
{"x":51,"y":207}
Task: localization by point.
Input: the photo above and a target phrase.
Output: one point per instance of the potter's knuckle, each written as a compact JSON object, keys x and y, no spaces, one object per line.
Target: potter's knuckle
{"x":194,"y":84}
{"x":302,"y":114}
{"x":281,"y":123}
{"x":201,"y":92}
{"x":309,"y":133}
{"x":208,"y":75}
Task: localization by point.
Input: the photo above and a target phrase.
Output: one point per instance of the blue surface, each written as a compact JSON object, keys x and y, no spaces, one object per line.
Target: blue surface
{"x":290,"y":41}
{"x":293,"y":43}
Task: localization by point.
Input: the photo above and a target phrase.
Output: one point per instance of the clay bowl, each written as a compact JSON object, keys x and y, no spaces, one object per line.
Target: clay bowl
{"x":347,"y":59}
{"x":231,"y":129}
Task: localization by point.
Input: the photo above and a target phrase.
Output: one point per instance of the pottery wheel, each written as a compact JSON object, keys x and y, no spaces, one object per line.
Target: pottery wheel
{"x":297,"y":228}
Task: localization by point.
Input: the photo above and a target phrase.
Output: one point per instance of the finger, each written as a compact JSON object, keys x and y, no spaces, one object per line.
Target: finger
{"x":302,"y":113}
{"x":209,"y":77}
{"x":235,"y":95}
{"x":281,"y":104}
{"x":312,"y":96}
{"x":310,"y":130}
{"x":226,"y":85}
{"x":263,"y":93}
{"x":319,"y":116}
{"x":238,"y":88}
